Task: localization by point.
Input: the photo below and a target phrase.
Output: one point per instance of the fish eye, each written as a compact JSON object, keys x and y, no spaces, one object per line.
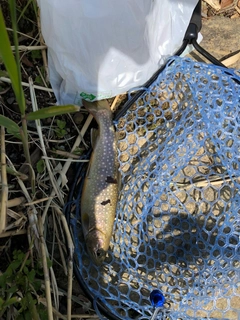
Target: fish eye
{"x":100,"y":253}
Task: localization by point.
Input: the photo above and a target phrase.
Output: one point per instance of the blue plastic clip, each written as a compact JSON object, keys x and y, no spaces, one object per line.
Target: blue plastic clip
{"x":157,"y":300}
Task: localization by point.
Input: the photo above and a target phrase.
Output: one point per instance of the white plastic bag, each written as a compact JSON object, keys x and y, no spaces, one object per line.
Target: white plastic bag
{"x":100,"y":48}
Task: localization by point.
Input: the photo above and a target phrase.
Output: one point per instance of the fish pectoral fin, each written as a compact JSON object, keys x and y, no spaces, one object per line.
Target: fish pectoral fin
{"x":94,"y":136}
{"x":88,"y":169}
{"x":85,"y":221}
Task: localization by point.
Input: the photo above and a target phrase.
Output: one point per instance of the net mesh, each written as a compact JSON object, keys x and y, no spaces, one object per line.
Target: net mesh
{"x":177,"y":223}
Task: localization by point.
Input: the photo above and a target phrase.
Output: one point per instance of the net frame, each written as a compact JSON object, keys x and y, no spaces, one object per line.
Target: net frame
{"x":195,"y":124}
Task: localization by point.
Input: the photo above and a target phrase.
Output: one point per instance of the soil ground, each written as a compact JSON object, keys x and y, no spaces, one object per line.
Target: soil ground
{"x":221,"y":37}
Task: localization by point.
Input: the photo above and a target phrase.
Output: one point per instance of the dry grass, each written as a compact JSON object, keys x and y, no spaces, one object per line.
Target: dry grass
{"x":40,"y":217}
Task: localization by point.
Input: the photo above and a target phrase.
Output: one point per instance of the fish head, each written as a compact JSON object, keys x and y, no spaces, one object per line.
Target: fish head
{"x":97,"y":246}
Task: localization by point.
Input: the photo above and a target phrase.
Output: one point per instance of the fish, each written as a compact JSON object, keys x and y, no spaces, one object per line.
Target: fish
{"x":100,"y":187}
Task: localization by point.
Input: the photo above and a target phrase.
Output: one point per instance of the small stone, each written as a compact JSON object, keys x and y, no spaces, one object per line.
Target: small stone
{"x":10,"y":100}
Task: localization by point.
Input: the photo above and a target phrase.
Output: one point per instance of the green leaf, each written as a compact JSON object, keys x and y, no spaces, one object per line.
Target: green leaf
{"x":38,"y":80}
{"x":9,"y":272}
{"x":15,"y":253}
{"x":3,"y":73}
{"x":61,"y":124}
{"x":78,"y":151}
{"x":27,"y":315}
{"x":15,"y":264}
{"x":13,"y":289}
{"x":28,"y":262}
{"x":35,"y":7}
{"x":3,"y":280}
{"x":32,"y":307}
{"x":36,"y":54}
{"x":36,"y":284}
{"x":51,"y":112}
{"x":40,"y":166}
{"x":31,"y":275}
{"x":20,"y":280}
{"x":20,"y":256}
{"x":39,"y":268}
{"x":42,"y":310}
{"x":10,"y":64}
{"x":1,"y":303}
{"x":25,"y":270}
{"x":40,"y":272}
{"x":11,"y":126}
{"x":49,"y":263}
{"x":23,"y":10}
{"x":24,"y":302}
{"x":11,"y":301}
{"x":60,"y":132}
{"x":20,"y":316}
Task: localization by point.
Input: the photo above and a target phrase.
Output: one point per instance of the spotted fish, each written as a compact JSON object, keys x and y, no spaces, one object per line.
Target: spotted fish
{"x":100,"y":189}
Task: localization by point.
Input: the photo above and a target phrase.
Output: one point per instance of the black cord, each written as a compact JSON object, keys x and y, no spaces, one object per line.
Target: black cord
{"x":206,"y":54}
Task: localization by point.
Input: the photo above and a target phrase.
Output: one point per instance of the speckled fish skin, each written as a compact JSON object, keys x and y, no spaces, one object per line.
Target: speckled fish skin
{"x":100,"y":189}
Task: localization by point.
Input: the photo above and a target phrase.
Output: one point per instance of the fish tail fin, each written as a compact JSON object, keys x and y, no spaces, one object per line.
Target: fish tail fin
{"x":96,"y":105}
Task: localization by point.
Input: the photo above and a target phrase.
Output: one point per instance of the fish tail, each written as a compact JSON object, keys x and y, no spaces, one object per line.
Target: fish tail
{"x":96,"y":106}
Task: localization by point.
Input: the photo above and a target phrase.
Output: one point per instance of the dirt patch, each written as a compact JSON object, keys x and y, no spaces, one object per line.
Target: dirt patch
{"x":220,"y":38}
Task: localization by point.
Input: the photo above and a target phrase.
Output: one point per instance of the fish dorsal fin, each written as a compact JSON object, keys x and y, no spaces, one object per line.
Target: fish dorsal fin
{"x":94,"y":136}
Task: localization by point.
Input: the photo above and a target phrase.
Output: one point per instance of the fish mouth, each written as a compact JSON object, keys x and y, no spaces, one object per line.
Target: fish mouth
{"x":95,"y":250}
{"x":100,"y":255}
{"x":97,"y":256}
